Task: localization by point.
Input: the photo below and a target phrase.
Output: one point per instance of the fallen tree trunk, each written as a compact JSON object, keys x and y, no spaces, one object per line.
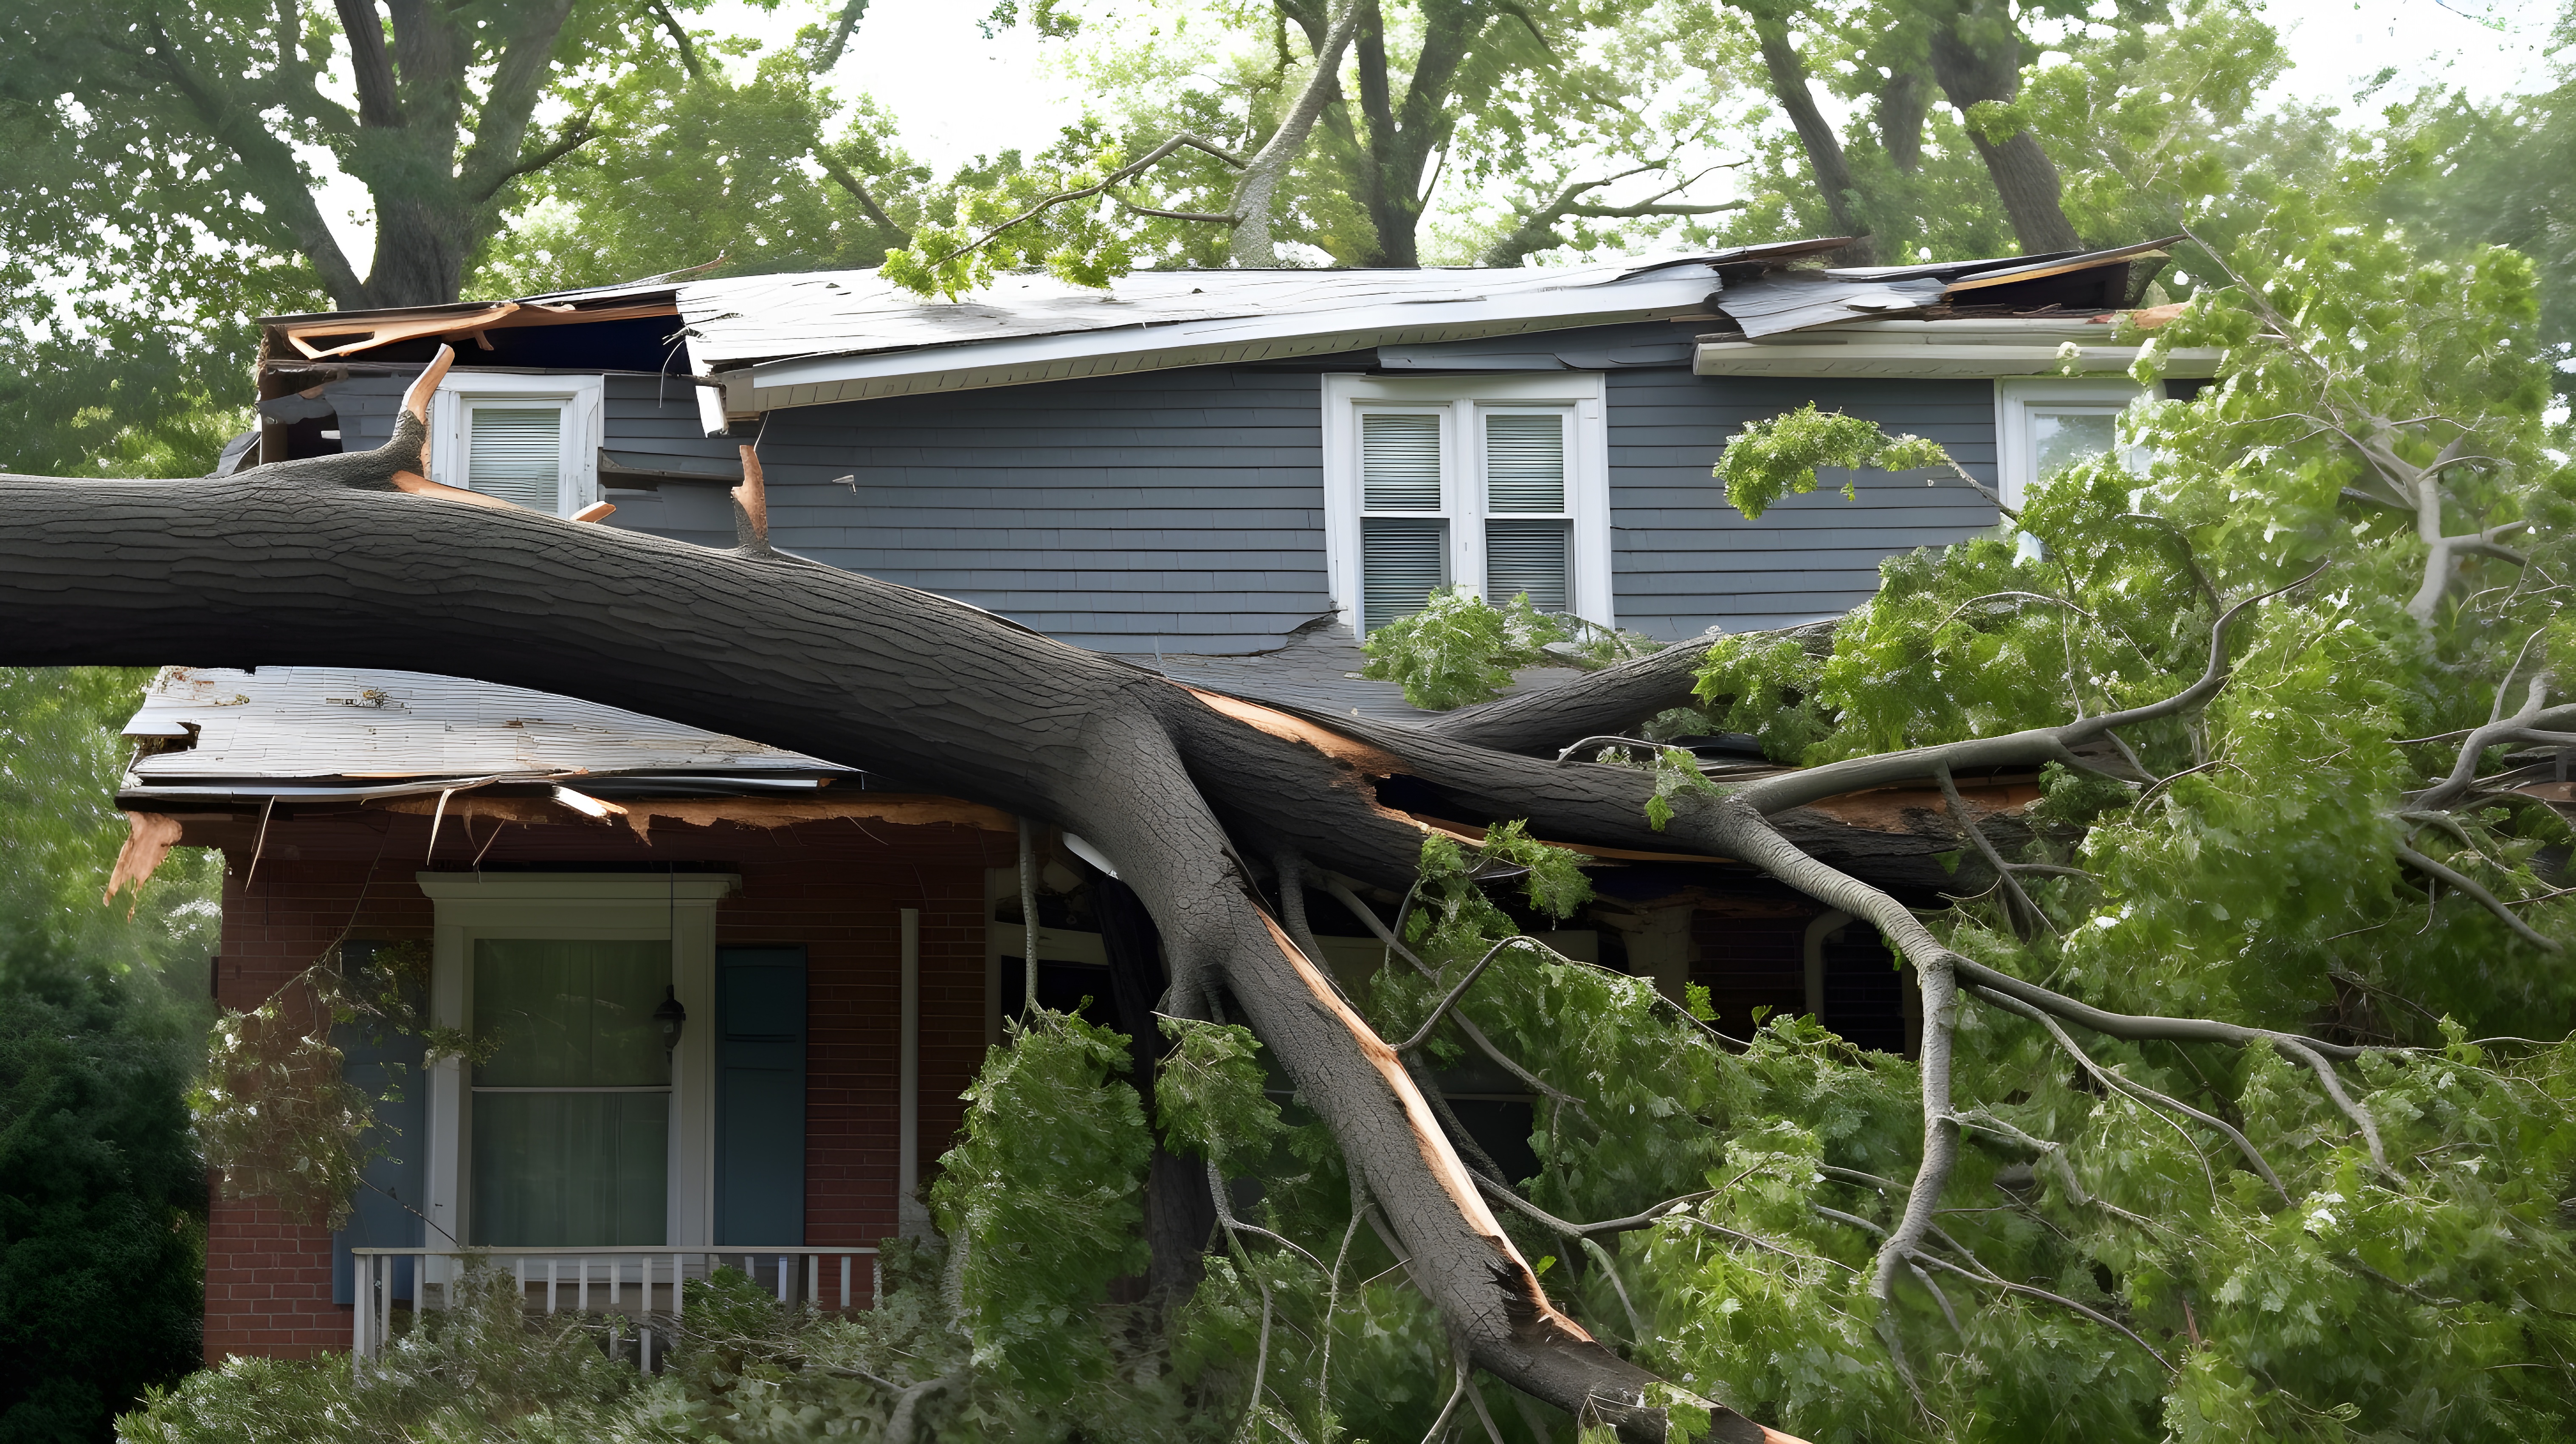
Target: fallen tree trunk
{"x":355,"y":561}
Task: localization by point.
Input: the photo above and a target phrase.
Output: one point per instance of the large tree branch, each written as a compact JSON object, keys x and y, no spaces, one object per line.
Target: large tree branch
{"x":1256,"y":191}
{"x":518,"y":82}
{"x":848,"y":180}
{"x":371,"y":70}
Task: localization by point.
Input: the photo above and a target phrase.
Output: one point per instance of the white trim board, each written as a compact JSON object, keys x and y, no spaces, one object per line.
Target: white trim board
{"x":577,"y":484}
{"x":2016,"y":465}
{"x":574,"y":905}
{"x":1587,"y":473}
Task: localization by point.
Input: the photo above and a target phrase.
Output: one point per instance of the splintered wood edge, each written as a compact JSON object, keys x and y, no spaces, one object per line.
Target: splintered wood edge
{"x":416,"y":400}
{"x":415,"y":484}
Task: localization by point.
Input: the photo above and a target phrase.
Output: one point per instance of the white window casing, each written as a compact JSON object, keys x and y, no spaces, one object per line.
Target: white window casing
{"x":2026,"y":404}
{"x":1467,"y":481}
{"x":580,"y":906}
{"x":501,"y":432}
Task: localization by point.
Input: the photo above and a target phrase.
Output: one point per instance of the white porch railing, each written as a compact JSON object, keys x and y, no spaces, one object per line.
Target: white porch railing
{"x":639,"y":1283}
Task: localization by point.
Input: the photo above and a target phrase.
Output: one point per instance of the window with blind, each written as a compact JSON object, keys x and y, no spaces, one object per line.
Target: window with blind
{"x":514,"y":450}
{"x":530,"y":439}
{"x":1465,"y":494}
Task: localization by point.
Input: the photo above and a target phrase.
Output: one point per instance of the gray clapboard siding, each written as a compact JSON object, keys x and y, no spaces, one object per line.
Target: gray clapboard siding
{"x":1182,"y":511}
{"x":1684,"y":561}
{"x":1179,"y":511}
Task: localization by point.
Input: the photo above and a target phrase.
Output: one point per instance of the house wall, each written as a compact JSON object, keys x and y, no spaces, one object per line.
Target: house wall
{"x":833,"y":888}
{"x":1182,"y":511}
{"x":1686,"y":561}
{"x":1174,"y":510}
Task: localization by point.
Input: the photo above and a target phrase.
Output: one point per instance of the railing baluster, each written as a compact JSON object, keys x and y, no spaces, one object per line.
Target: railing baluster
{"x":385,"y":1271}
{"x":550,"y":1285}
{"x":782,"y":1278}
{"x":814,"y":1278}
{"x":845,"y":1283}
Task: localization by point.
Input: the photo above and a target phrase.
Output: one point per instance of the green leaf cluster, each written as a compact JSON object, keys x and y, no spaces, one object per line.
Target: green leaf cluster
{"x":1460,"y":649}
{"x":1046,"y":1189}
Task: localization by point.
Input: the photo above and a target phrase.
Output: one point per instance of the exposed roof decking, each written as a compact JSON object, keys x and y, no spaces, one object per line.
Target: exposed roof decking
{"x":351,"y":729}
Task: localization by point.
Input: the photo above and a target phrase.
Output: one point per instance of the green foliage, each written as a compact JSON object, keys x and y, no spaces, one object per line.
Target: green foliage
{"x":1046,"y":1188}
{"x":277,"y":1117}
{"x":1460,"y":649}
{"x":734,"y":175}
{"x":1209,"y":1091}
{"x":102,"y":1198}
{"x":1779,"y":456}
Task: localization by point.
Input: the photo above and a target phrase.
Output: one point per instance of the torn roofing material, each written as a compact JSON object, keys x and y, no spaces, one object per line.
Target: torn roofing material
{"x":345,"y":733}
{"x":818,"y":337}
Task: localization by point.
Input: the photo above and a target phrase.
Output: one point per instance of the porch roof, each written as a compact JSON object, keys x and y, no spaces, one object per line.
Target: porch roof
{"x":342,"y":733}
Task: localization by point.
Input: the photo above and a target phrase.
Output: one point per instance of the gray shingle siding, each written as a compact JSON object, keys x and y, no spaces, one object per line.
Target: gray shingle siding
{"x":1179,"y":510}
{"x":1183,"y":510}
{"x":1685,"y":561}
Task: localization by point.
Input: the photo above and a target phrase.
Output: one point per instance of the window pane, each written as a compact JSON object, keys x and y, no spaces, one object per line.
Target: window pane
{"x":1526,"y":556}
{"x":577,"y":1169}
{"x":1399,"y":462}
{"x":516,"y":453}
{"x":1525,"y":463}
{"x":2059,"y":440}
{"x":571,"y":1014}
{"x":1401,"y":560}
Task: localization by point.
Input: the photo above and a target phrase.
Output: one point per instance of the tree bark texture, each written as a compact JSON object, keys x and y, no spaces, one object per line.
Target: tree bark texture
{"x":355,"y":561}
{"x":1976,"y":55}
{"x":1788,"y":71}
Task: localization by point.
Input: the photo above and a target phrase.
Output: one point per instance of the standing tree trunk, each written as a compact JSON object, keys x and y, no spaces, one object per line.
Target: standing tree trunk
{"x":1976,"y":55}
{"x":1825,"y":160}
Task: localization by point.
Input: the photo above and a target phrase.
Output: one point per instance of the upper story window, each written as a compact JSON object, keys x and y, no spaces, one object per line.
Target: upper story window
{"x":1495,"y":484}
{"x":2044,"y":424}
{"x":532,"y":440}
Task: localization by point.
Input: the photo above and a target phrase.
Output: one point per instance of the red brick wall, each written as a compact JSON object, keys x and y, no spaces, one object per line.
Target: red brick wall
{"x":832,"y":887}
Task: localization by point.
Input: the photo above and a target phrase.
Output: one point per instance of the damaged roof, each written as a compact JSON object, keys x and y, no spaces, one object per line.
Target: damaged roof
{"x":339,"y":734}
{"x":811,"y":338}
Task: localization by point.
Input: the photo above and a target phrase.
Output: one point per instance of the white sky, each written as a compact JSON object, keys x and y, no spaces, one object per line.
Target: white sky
{"x":958,"y":95}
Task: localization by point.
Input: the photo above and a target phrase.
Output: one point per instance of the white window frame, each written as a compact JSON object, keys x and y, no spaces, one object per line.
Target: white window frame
{"x":1464,"y":399}
{"x":451,"y":434}
{"x":2017,"y":398}
{"x":581,"y":907}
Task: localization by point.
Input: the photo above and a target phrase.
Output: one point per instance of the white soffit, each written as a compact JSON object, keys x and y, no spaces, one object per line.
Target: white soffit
{"x":341,"y":722}
{"x":1966,"y":349}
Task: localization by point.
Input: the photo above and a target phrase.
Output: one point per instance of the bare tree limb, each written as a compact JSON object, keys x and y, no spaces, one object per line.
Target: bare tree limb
{"x":852,"y":11}
{"x":2476,"y":892}
{"x":2114,"y":1079}
{"x":848,"y":180}
{"x":679,"y":34}
{"x":1256,"y":190}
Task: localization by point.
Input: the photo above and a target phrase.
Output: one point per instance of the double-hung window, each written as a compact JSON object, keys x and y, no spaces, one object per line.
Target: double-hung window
{"x":2044,"y":424}
{"x":531,"y":440}
{"x":1494,"y":484}
{"x":572,"y":1111}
